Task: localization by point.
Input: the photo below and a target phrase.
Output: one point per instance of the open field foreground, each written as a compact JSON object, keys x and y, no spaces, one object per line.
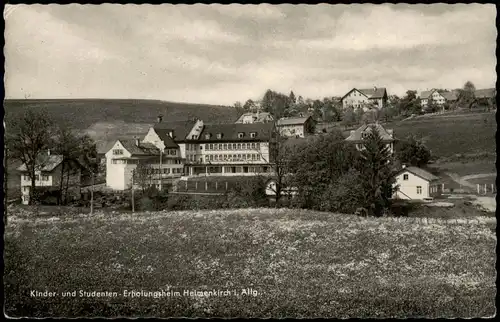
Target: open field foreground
{"x":290,"y":263}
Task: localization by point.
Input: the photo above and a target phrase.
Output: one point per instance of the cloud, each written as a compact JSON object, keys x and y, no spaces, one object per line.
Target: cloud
{"x":223,"y":53}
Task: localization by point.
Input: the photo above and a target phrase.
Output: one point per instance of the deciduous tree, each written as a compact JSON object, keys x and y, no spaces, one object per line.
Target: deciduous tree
{"x":413,"y":152}
{"x":28,"y":137}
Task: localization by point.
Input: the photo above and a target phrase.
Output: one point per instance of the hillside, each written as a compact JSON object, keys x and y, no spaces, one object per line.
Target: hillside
{"x":447,"y":136}
{"x":83,"y":113}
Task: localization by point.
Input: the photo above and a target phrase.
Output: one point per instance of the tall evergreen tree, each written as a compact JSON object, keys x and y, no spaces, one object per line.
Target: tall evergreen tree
{"x":376,"y":173}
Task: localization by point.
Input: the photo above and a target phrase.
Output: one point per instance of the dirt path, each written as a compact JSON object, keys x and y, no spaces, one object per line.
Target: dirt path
{"x":479,"y":176}
{"x":455,"y":177}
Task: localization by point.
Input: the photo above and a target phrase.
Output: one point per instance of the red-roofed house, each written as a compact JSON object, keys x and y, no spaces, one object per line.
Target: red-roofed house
{"x":365,"y":98}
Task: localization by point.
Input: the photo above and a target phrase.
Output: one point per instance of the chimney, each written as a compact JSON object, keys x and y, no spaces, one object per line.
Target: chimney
{"x":48,"y":152}
{"x":137,"y":143}
{"x":160,"y":118}
{"x":374,"y":88}
{"x":171,"y":134}
{"x":403,"y":166}
{"x":352,"y":132}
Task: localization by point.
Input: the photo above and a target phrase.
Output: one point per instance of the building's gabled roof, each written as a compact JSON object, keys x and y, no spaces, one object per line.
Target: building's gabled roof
{"x":256,"y":117}
{"x":293,"y":120}
{"x":449,"y":96}
{"x":375,"y":92}
{"x":486,"y":93}
{"x":164,"y":135}
{"x":44,"y":163}
{"x":230,"y":132}
{"x":357,"y":135}
{"x":419,"y":172}
{"x":143,"y":149}
{"x":426,"y":94}
{"x":181,"y":129}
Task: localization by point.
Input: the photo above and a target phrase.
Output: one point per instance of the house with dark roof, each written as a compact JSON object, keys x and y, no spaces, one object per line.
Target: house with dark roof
{"x":367,"y":99}
{"x":438,"y":97}
{"x":359,"y":135}
{"x":298,"y":127}
{"x":236,"y":149}
{"x":486,"y":97}
{"x":48,"y":174}
{"x":413,"y":183}
{"x":257,"y":117}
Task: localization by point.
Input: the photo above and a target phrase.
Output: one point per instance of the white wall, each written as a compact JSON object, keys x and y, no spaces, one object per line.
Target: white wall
{"x":292,"y":130}
{"x":115,"y":173}
{"x":354,"y":99}
{"x":408,"y":188}
{"x":153,"y":138}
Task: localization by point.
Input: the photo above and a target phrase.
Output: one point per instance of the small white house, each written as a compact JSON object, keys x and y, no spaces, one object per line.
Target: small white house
{"x":414,"y":183}
{"x":296,"y":126}
{"x":48,"y":174}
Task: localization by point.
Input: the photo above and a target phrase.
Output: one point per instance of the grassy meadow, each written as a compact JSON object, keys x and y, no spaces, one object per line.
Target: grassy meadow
{"x":448,"y":136}
{"x":291,"y":263}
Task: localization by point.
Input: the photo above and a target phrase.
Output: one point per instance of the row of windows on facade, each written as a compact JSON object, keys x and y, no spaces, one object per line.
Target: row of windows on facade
{"x":164,"y":171}
{"x":232,"y":146}
{"x":167,"y":152}
{"x":240,"y":135}
{"x":37,"y":178}
{"x":250,"y":169}
{"x":232,"y":157}
{"x":227,"y":157}
{"x":168,"y":161}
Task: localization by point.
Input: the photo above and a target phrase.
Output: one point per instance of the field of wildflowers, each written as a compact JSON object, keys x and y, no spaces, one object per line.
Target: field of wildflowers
{"x":290,"y":263}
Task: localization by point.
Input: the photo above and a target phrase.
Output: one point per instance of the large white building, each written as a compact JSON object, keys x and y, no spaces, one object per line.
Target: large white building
{"x":191,"y":148}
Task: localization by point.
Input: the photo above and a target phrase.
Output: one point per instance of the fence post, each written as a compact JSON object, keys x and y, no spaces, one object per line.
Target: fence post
{"x":485,"y":188}
{"x":216,"y":184}
{"x":478,"y":192}
{"x":226,"y":185}
{"x":206,"y":185}
{"x":196,"y":185}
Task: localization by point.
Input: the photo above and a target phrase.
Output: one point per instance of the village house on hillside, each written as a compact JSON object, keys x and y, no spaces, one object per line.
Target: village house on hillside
{"x":358,"y":136}
{"x":257,"y":117}
{"x":48,"y":174}
{"x":486,"y":97}
{"x":413,"y":183}
{"x":365,"y":98}
{"x":298,"y":127}
{"x":438,"y":97}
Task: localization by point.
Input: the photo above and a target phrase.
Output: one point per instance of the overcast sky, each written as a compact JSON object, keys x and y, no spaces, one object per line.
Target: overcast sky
{"x":225,"y":53}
